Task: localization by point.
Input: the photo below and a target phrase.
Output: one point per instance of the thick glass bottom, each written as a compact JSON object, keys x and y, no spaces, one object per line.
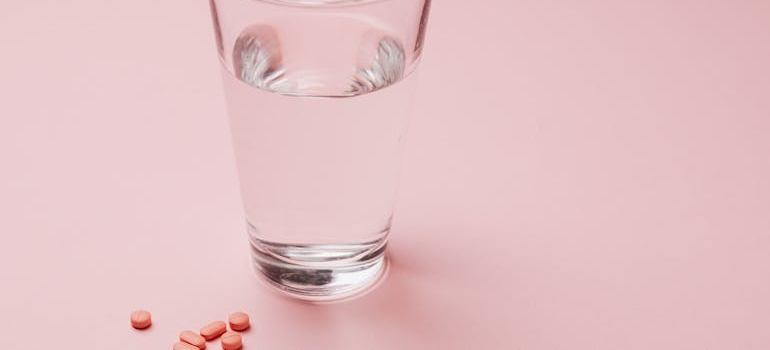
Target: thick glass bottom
{"x":321,"y":272}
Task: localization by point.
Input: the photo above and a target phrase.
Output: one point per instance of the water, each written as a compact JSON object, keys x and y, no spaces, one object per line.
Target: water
{"x":318,"y":119}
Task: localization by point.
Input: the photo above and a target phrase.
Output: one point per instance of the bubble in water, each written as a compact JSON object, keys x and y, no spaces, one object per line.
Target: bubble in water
{"x":387,"y":67}
{"x":258,"y":60}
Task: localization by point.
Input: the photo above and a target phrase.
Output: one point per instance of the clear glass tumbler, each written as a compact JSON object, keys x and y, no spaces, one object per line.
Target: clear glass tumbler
{"x":318,"y":95}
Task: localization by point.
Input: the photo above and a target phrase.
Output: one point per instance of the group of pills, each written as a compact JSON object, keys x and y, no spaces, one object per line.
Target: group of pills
{"x":189,"y":340}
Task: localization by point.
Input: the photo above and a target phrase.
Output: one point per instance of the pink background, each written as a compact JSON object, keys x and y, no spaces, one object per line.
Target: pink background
{"x":580,"y":175}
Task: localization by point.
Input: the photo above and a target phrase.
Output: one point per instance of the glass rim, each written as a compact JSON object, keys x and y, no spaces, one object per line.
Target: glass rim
{"x":321,"y":3}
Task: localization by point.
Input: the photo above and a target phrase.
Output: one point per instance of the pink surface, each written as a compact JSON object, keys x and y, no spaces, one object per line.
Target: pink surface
{"x":580,"y":175}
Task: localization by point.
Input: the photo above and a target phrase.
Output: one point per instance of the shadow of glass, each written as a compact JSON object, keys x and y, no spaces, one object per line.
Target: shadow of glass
{"x":401,"y":310}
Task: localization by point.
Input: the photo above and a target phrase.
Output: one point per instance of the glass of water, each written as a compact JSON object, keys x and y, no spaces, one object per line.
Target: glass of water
{"x":318,"y":95}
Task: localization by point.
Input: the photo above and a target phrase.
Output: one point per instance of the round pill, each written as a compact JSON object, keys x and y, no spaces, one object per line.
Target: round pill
{"x":213,"y":330}
{"x":184,"y":346}
{"x":239,"y":321}
{"x":193,"y":338}
{"x":231,"y":341}
{"x":141,"y":319}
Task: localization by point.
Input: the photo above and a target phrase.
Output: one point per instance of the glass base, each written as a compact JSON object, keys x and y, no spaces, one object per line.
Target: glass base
{"x":321,"y":272}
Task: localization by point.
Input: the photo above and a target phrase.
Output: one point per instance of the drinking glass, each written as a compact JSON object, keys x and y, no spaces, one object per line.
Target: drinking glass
{"x":318,"y":96}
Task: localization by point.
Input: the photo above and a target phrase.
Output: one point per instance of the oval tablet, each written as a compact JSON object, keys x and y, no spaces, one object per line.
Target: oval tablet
{"x":141,"y":319}
{"x":193,"y":338}
{"x":213,"y":330}
{"x":184,"y":346}
{"x":231,"y":341}
{"x":239,"y":321}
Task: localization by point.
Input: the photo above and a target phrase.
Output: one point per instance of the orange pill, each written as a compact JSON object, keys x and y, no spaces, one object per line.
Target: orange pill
{"x":239,"y":321}
{"x":213,"y":330}
{"x":184,"y":346}
{"x":193,"y":338}
{"x":141,"y":319}
{"x":231,"y":341}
